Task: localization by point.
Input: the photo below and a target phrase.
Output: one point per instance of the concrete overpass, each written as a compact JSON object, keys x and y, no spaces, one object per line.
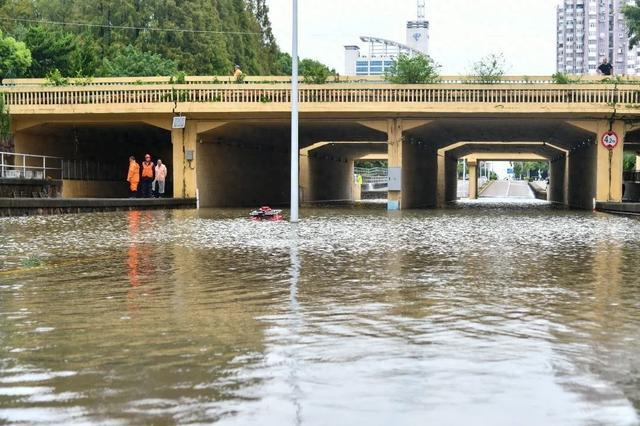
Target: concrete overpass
{"x":234,"y":150}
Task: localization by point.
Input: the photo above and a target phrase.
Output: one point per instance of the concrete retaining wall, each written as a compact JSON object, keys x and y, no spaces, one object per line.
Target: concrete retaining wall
{"x":539,"y":192}
{"x":29,"y":188}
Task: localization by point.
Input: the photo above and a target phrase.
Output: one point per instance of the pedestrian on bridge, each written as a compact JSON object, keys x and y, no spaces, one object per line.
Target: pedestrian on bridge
{"x":161,"y":177}
{"x":133,"y":177}
{"x":605,"y":67}
{"x":238,"y":74}
{"x":147,"y":177}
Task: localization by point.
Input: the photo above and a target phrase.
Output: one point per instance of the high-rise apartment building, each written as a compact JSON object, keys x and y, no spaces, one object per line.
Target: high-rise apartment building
{"x":591,"y":30}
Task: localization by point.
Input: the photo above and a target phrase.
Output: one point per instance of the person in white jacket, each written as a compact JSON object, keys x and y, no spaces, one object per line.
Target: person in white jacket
{"x":161,"y":177}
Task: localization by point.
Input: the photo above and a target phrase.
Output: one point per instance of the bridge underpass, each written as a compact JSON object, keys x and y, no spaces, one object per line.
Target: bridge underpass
{"x":579,"y":164}
{"x":474,"y":153}
{"x":323,"y":180}
{"x":96,"y":155}
{"x":251,"y":124}
{"x":246,"y":163}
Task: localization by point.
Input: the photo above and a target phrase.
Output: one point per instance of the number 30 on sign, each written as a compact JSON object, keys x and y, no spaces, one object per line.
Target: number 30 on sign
{"x":610,"y":140}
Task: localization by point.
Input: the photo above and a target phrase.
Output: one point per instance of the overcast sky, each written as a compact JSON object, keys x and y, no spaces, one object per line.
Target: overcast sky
{"x":462,"y":31}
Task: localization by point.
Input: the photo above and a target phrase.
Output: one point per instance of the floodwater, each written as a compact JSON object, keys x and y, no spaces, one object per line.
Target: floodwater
{"x":490,"y":313}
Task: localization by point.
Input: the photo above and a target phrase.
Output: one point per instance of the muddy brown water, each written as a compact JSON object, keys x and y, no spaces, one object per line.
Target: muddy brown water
{"x":494,"y":313}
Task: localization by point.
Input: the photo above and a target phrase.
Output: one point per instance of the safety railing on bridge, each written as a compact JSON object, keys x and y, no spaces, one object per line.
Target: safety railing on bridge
{"x":28,"y":166}
{"x":225,"y":80}
{"x":341,"y":94}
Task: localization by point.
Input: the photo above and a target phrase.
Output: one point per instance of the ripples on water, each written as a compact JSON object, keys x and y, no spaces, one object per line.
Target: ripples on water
{"x":495,"y":313}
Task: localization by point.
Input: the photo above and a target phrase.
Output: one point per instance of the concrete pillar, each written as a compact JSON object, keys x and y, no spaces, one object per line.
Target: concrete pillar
{"x":356,"y":190}
{"x":184,"y":171}
{"x":473,"y":180}
{"x":394,"y":133}
{"x":609,"y":165}
{"x":441,"y":196}
{"x":451,"y":178}
{"x":447,"y":178}
{"x":306,"y":194}
{"x":558,"y":189}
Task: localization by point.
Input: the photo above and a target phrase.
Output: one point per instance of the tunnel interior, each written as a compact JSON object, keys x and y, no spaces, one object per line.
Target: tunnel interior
{"x":96,"y":156}
{"x":571,"y":151}
{"x":247,"y":164}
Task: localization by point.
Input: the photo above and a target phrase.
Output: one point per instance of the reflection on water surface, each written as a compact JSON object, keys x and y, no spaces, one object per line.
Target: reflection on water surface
{"x":509,"y":313}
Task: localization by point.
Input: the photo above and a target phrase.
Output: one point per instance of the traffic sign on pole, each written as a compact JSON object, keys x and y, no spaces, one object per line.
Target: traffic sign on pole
{"x":610,"y":139}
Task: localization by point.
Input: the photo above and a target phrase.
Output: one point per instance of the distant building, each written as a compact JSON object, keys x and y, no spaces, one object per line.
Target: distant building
{"x":383,"y":53}
{"x":591,"y":30}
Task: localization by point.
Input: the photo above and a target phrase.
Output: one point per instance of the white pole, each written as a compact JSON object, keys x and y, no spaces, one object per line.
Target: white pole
{"x":294,"y":116}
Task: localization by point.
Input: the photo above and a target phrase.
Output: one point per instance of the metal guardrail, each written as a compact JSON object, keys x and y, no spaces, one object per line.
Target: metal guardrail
{"x":27,"y":166}
{"x":328,"y":93}
{"x":40,"y":167}
{"x":372,"y":175}
{"x":92,"y":170}
{"x":631,"y":176}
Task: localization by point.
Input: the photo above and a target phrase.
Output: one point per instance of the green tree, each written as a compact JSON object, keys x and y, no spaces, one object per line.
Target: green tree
{"x":210,"y":37}
{"x":489,"y":69}
{"x":413,"y":70}
{"x":131,"y":62}
{"x":270,"y":50}
{"x":6,"y":139}
{"x":50,"y":49}
{"x":632,"y":16}
{"x":629,"y":161}
{"x":523,"y":168}
{"x":15,"y":57}
{"x":202,"y":37}
{"x":315,"y":72}
{"x":283,"y":64}
{"x":562,"y":78}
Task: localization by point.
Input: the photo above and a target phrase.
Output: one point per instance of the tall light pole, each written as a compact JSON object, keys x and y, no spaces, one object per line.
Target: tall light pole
{"x":294,"y":117}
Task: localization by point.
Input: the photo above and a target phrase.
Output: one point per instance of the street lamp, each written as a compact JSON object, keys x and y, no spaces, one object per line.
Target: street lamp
{"x":294,"y":117}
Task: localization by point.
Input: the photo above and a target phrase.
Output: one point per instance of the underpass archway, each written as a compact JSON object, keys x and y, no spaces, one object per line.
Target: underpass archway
{"x":95,"y":155}
{"x":246,"y":163}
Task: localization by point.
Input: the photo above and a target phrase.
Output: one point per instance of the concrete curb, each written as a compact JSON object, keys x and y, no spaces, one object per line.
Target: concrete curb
{"x":538,"y":192}
{"x":631,"y":209}
{"x":46,"y":206}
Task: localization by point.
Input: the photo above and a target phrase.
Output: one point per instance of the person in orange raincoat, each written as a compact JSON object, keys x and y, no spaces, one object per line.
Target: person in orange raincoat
{"x":133,"y":177}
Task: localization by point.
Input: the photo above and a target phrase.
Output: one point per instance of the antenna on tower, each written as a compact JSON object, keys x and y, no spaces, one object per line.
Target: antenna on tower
{"x":421,"y":10}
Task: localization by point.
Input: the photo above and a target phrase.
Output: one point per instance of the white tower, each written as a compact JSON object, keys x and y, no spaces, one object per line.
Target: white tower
{"x":418,"y":31}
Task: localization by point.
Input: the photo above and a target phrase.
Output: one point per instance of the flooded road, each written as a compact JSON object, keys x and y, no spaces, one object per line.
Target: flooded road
{"x":489,"y":313}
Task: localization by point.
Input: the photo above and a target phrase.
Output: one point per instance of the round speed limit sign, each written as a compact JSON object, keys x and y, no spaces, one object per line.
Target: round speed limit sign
{"x":610,"y":140}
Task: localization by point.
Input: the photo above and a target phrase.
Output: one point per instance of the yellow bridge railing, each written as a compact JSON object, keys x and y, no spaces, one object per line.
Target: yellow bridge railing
{"x":328,"y":93}
{"x":280,"y":80}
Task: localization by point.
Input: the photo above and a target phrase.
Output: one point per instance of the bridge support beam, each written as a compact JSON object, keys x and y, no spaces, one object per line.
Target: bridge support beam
{"x":418,"y":165}
{"x":610,"y":165}
{"x":395,"y":141}
{"x":184,"y":160}
{"x":595,"y":160}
